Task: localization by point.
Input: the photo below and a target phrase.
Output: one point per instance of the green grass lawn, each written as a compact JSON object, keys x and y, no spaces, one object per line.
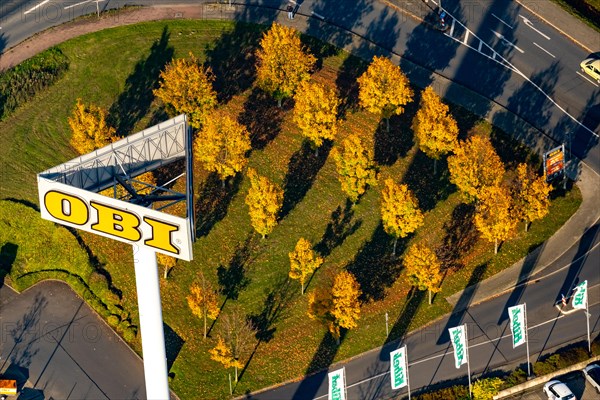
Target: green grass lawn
{"x":36,"y":137}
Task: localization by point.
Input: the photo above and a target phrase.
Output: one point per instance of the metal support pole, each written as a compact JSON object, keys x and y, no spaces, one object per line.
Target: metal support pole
{"x":151,"y":324}
{"x":387,"y":331}
{"x":468,"y":362}
{"x":526,"y":339}
{"x":587,"y":320}
{"x":406,"y":367}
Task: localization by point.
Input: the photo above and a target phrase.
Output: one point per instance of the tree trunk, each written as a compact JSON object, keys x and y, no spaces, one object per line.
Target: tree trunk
{"x":496,"y":246}
{"x":302,"y":285}
{"x":204,"y":324}
{"x":395,"y":243}
{"x":165,"y":272}
{"x":236,"y":374}
{"x":429,"y":296}
{"x":278,"y":105}
{"x":435,"y":166}
{"x":223,"y":183}
{"x":526,"y":226}
{"x":317,"y":151}
{"x":387,"y":121}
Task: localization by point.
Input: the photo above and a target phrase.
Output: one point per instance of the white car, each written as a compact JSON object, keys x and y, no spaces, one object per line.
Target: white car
{"x":556,"y":390}
{"x":592,"y":374}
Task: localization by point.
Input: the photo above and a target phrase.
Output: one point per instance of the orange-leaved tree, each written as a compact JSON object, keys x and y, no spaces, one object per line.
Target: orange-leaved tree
{"x":434,"y":127}
{"x":264,"y":201}
{"x":89,"y":128}
{"x":384,"y":89}
{"x":423,"y":268}
{"x":400,"y":211}
{"x":221,"y":145}
{"x":474,"y":166}
{"x":203,"y":300}
{"x":530,"y":193}
{"x":303,"y":261}
{"x":315,"y":112}
{"x":186,"y":88}
{"x":338,"y":307}
{"x":355,"y":167}
{"x":282,"y":62}
{"x":494,"y":217}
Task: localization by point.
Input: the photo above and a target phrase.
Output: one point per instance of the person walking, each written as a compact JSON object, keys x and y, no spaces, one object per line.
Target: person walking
{"x":290,"y":11}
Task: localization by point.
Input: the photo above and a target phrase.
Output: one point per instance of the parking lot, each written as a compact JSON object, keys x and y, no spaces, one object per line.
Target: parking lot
{"x":576,"y":382}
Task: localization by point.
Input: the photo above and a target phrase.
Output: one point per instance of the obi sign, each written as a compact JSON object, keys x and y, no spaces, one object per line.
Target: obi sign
{"x":114,"y":219}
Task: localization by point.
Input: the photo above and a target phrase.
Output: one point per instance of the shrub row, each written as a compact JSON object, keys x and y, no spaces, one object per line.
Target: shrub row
{"x":20,"y":83}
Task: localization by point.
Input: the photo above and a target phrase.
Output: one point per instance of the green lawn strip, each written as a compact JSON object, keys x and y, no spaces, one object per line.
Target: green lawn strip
{"x":293,"y":345}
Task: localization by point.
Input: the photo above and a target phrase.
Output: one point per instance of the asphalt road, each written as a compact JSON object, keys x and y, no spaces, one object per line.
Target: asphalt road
{"x":53,"y":342}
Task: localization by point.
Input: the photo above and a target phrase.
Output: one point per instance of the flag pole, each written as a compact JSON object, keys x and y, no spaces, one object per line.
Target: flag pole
{"x":406,"y":367}
{"x":587,"y":320}
{"x":527,"y":340}
{"x":467,"y":354}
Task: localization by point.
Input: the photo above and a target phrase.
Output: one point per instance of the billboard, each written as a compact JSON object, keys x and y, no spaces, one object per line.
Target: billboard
{"x":554,"y":163}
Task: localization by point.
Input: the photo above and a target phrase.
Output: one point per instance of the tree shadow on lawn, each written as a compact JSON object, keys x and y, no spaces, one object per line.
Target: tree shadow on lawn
{"x":133,"y":104}
{"x":232,"y":278}
{"x":303,"y":168}
{"x":347,"y":85}
{"x":409,"y":310}
{"x":213,"y":202}
{"x":429,"y":189}
{"x":374,"y":266}
{"x":460,"y":237}
{"x":389,"y":146}
{"x":232,"y":60}
{"x":338,"y":229}
{"x":262,"y":118}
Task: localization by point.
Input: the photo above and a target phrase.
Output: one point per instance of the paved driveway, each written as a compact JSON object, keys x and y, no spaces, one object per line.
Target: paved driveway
{"x":57,"y":347}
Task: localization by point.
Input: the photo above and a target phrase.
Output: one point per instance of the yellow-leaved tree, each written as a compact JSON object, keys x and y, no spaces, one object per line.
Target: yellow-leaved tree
{"x":423,"y":268}
{"x":384,"y":89}
{"x":494,"y":216}
{"x":89,"y":128}
{"x":186,"y":88}
{"x":475,"y":165}
{"x":303,"y":261}
{"x":315,"y":112}
{"x":203,"y":300}
{"x":434,"y":127}
{"x":400,"y":211}
{"x":264,"y":200}
{"x":337,"y":307}
{"x":221,"y":353}
{"x":530,"y":193}
{"x":221,"y":145}
{"x":168,"y":263}
{"x":282,"y":62}
{"x":355,"y":167}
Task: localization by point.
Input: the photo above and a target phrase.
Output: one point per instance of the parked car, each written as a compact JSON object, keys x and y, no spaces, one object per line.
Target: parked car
{"x":556,"y":390}
{"x":591,"y":66}
{"x":592,"y":374}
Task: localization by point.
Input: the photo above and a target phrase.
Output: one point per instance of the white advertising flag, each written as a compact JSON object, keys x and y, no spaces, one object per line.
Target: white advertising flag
{"x":580,"y":296}
{"x":457,"y":336}
{"x":337,"y":385}
{"x":398,"y":368}
{"x":517,"y":324}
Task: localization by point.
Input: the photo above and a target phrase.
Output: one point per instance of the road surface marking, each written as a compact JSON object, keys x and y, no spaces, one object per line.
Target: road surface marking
{"x":318,"y":15}
{"x":36,"y":7}
{"x":586,"y":78}
{"x":499,"y":19}
{"x":466,"y":36}
{"x":506,"y":41}
{"x":543,"y":49}
{"x":452,"y":27}
{"x":530,"y":24}
{"x":480,"y":45}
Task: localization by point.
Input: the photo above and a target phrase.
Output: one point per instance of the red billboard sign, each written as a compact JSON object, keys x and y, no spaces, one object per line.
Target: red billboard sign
{"x":554,"y":162}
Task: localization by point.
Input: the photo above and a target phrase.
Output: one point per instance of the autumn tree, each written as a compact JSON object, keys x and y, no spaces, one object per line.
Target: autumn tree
{"x":355,"y":167}
{"x":203,"y":300}
{"x":423,"y":268}
{"x":474,"y":166}
{"x":338,"y":307}
{"x":282,"y":62}
{"x":186,"y":88}
{"x":236,"y":339}
{"x":315,"y":112}
{"x":303,"y":261}
{"x":264,"y":200}
{"x":89,"y":128}
{"x":530,"y":194}
{"x":221,"y":145}
{"x":168,"y":263}
{"x":493,"y":215}
{"x":434,"y":127}
{"x":384,"y":89}
{"x":400,"y":211}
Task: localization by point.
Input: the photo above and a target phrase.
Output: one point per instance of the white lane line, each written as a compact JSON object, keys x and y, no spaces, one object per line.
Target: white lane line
{"x":318,"y":15}
{"x":506,"y":41}
{"x":36,"y":7}
{"x":543,"y":49}
{"x":466,"y":36}
{"x":82,"y":2}
{"x":586,"y":78}
{"x":530,"y":24}
{"x":452,"y":27}
{"x":499,"y":19}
